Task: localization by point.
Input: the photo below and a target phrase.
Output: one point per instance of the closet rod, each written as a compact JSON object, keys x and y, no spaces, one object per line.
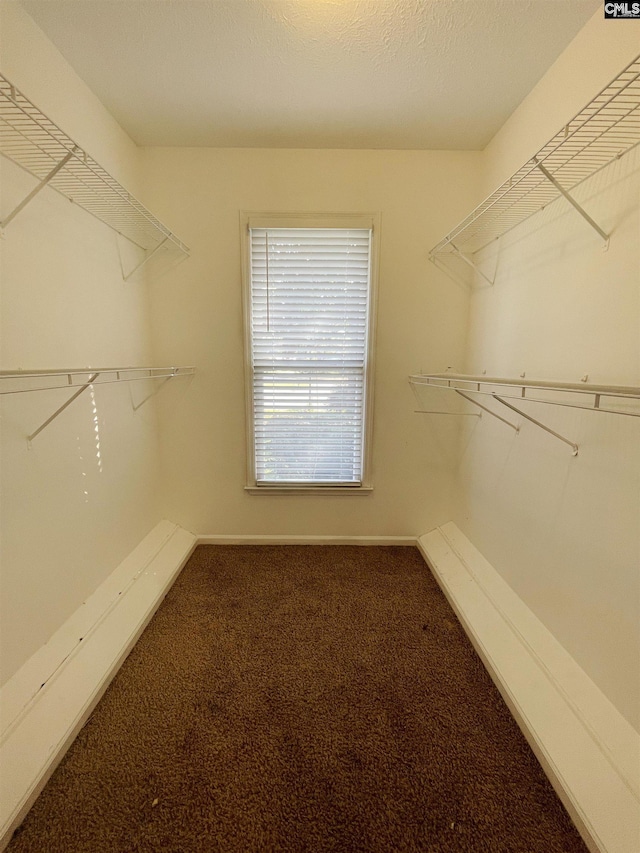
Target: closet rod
{"x":83,"y":378}
{"x":78,"y":376}
{"x":450,"y":385}
{"x":526,"y":389}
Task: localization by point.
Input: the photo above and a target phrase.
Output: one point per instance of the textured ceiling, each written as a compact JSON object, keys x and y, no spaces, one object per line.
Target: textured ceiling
{"x":311,"y":73}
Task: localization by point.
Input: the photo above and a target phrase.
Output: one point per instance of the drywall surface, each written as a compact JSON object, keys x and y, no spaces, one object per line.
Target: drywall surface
{"x":564,"y":531}
{"x":197,"y":319}
{"x":78,"y":501}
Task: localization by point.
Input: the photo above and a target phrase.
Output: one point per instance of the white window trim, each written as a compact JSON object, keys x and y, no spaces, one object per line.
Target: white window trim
{"x":310,"y":220}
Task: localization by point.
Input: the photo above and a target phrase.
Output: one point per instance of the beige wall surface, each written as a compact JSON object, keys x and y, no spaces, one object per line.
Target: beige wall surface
{"x":197,"y":318}
{"x":79,"y":500}
{"x":565,"y":531}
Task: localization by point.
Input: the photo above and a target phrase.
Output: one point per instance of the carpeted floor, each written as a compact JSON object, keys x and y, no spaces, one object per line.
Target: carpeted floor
{"x":300,"y":699}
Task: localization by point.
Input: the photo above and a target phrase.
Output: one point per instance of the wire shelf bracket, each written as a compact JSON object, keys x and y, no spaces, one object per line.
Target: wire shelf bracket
{"x":572,"y":444}
{"x":575,"y":204}
{"x":145,"y":260}
{"x":603,"y":131}
{"x":38,"y":146}
{"x":43,"y":183}
{"x":23,"y":381}
{"x":486,"y":409}
{"x":61,"y":409}
{"x":470,"y":263}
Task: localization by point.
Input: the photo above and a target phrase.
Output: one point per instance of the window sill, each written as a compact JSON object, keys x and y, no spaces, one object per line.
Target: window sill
{"x":308,"y":490}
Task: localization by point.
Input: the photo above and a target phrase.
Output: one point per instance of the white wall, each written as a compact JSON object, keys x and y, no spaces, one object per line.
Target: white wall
{"x":564,"y":531}
{"x":197,"y":318}
{"x":76,"y":503}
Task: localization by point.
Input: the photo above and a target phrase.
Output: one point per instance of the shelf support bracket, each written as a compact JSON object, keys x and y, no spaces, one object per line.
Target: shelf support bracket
{"x":470,"y":263}
{"x":145,"y":259}
{"x":34,"y":192}
{"x":572,"y":444}
{"x":485,"y":409}
{"x":59,"y":411}
{"x":572,"y":202}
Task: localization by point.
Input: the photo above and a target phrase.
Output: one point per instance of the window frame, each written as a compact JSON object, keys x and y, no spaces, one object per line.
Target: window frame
{"x":371,"y":221}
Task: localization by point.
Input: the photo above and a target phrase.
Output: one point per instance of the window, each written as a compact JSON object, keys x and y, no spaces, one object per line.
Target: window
{"x":309,"y":323}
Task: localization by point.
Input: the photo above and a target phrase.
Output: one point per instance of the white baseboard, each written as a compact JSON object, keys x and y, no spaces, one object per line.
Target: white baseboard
{"x":260,"y":539}
{"x":50,"y":698}
{"x":590,"y":753}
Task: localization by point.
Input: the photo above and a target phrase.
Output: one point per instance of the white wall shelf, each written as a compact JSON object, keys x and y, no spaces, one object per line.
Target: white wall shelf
{"x":612,"y":399}
{"x":80,"y":378}
{"x":607,"y":128}
{"x":40,"y":147}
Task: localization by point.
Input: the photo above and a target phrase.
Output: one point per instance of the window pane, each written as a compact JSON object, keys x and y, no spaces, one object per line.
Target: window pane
{"x":309,"y":319}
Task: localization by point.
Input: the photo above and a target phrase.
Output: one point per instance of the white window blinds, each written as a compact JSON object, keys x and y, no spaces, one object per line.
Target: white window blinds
{"x":309,"y":319}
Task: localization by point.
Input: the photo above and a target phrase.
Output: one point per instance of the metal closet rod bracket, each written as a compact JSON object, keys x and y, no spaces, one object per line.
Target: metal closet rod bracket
{"x":573,"y":202}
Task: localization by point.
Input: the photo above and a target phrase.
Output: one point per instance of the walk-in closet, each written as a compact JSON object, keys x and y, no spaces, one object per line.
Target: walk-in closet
{"x":319,"y":426}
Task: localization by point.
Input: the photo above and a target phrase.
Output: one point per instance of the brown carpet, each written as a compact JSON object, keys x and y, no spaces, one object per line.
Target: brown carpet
{"x":300,"y":699}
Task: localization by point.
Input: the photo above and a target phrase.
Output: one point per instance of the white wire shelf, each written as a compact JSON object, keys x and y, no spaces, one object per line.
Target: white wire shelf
{"x":597,"y":398}
{"x":607,"y":128}
{"x":612,"y":399}
{"x":21,"y":381}
{"x":40,"y":147}
{"x":81,"y":378}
